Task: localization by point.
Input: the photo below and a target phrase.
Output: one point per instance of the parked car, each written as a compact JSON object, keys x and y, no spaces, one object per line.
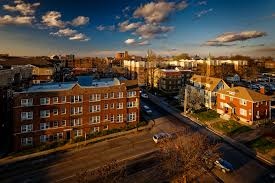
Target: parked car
{"x":147,"y":109}
{"x":144,"y":95}
{"x":224,"y":165}
{"x":159,"y":137}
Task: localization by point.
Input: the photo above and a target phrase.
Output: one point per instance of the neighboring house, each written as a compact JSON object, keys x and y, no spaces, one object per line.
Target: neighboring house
{"x":233,"y":79}
{"x":42,"y":74}
{"x":243,"y":104}
{"x":208,"y":88}
{"x":169,"y":81}
{"x":62,"y":111}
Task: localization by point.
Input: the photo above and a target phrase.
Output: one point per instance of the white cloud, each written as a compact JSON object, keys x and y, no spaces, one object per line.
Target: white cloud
{"x":106,"y":28}
{"x":17,"y":20}
{"x":229,"y":37}
{"x":22,"y":7}
{"x":80,"y":20}
{"x":64,"y":32}
{"x":157,"y":12}
{"x":126,"y":26}
{"x":130,"y":41}
{"x":203,"y":12}
{"x":143,"y":43}
{"x":150,"y":31}
{"x":117,"y":17}
{"x":52,"y":19}
{"x":79,"y":37}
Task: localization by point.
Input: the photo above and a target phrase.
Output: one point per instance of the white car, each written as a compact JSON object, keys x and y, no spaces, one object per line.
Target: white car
{"x":144,"y":95}
{"x":161,"y":136}
{"x":147,"y":109}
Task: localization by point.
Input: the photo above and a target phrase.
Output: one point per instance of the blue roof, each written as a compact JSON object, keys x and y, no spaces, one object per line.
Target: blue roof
{"x":83,"y":81}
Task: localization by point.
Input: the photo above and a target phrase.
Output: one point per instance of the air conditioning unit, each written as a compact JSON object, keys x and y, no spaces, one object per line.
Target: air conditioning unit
{"x":258,"y":117}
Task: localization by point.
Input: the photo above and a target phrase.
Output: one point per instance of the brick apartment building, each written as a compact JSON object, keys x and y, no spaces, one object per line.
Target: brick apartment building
{"x":243,"y":104}
{"x":62,"y":111}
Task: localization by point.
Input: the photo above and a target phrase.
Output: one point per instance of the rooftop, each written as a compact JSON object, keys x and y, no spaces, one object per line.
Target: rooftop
{"x":245,"y":93}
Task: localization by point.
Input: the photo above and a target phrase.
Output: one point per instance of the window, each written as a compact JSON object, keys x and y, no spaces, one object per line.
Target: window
{"x":222,"y":96}
{"x":105,"y":127}
{"x":131,"y":117}
{"x":266,"y":112}
{"x":27,"y":102}
{"x":76,"y":122}
{"x":243,"y":112}
{"x":131,"y":94}
{"x":44,"y":138}
{"x":26,"y":115}
{"x":55,"y":111}
{"x":120,"y":94}
{"x":112,"y":95}
{"x":221,"y":105}
{"x":44,"y":126}
{"x":26,"y":141}
{"x":63,"y":99}
{"x":63,"y":110}
{"x":95,"y":97}
{"x":231,"y":99}
{"x":78,"y":133}
{"x":76,"y":99}
{"x":131,"y":104}
{"x":26,"y":128}
{"x":106,"y":117}
{"x":55,"y":100}
{"x":76,"y":110}
{"x":119,"y":118}
{"x":59,"y":135}
{"x":258,"y":113}
{"x":95,"y":108}
{"x":44,"y":113}
{"x":96,"y":129}
{"x":243,"y":102}
{"x":44,"y":101}
{"x":55,"y":124}
{"x":95,"y":119}
{"x":63,"y":123}
{"x":112,"y":118}
{"x":105,"y":95}
{"x":120,"y":105}
{"x":112,"y":106}
{"x":105,"y":106}
{"x":257,"y":104}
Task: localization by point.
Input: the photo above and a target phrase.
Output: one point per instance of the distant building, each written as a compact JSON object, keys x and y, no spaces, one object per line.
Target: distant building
{"x":42,"y":74}
{"x":62,"y":111}
{"x":137,"y":69}
{"x":243,"y":104}
{"x":233,"y":79}
{"x":208,"y":88}
{"x":169,"y":81}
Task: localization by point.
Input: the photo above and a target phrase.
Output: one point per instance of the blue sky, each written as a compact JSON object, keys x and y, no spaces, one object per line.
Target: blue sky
{"x":101,"y":28}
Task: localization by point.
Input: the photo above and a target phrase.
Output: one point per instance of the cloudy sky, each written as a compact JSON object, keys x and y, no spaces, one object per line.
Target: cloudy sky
{"x":169,"y":27}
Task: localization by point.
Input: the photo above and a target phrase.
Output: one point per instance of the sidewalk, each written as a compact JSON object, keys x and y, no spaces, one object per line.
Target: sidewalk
{"x":10,"y":159}
{"x":190,"y":121}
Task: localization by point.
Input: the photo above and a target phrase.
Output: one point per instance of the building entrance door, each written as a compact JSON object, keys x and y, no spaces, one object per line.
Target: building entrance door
{"x":68,"y":135}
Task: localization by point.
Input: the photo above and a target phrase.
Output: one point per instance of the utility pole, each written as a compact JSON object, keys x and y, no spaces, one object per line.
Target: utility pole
{"x":185,"y":100}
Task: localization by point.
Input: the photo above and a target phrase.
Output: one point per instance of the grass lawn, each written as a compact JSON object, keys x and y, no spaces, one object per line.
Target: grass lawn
{"x":262,"y":144}
{"x":230,"y":127}
{"x":207,"y":115}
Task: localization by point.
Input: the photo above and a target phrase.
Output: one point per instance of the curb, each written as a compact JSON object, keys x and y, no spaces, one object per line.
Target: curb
{"x":227,"y":139}
{"x":6,"y":161}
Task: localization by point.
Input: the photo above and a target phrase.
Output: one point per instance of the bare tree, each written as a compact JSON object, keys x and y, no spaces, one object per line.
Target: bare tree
{"x":188,"y":156}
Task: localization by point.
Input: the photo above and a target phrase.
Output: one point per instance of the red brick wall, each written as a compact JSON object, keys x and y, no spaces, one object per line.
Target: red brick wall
{"x":17,"y":109}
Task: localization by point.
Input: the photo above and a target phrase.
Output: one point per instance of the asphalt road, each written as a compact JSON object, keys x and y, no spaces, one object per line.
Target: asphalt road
{"x":62,"y":167}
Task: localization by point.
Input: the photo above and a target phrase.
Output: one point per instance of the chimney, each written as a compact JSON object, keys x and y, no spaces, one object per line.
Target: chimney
{"x":232,"y":85}
{"x":262,"y":90}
